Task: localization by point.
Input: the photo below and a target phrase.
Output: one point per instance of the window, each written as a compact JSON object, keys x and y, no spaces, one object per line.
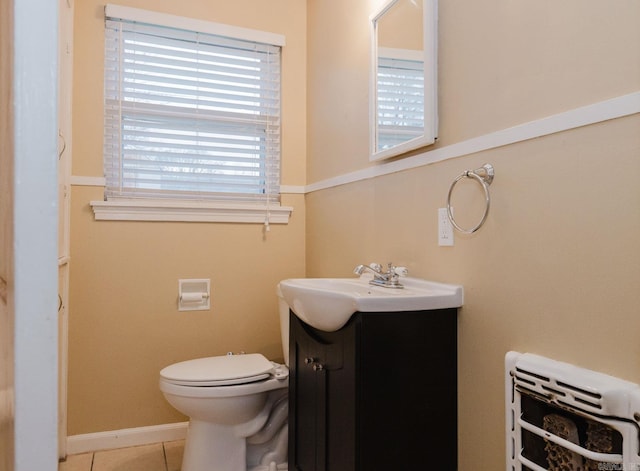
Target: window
{"x":192,"y":110}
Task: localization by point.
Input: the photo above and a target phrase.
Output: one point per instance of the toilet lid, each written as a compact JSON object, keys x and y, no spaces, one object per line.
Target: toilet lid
{"x":219,"y":371}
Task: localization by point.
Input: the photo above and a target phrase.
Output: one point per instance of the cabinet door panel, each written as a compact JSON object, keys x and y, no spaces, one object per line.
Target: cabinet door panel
{"x":322,"y":400}
{"x":306,"y":401}
{"x":408,"y":367}
{"x":341,"y":403}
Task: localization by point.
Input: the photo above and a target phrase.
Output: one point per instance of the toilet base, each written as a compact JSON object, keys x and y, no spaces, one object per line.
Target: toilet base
{"x":226,"y":453}
{"x":212,"y":447}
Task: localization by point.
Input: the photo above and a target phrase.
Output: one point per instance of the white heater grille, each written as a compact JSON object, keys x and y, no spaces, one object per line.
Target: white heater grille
{"x":560,"y":417}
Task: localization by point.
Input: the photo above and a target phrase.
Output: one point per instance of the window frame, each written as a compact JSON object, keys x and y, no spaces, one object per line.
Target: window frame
{"x":263,"y":209}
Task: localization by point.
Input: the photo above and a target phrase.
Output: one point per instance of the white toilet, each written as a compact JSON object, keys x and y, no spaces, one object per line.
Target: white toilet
{"x":237,"y":407}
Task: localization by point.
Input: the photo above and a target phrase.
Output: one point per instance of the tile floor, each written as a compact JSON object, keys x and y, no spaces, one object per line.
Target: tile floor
{"x":165,"y":456}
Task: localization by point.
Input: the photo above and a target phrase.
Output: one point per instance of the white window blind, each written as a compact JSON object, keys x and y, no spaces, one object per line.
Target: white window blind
{"x":400,"y":100}
{"x":190,"y":114}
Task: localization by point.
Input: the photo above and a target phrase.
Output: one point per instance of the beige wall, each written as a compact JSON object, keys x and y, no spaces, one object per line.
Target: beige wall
{"x":556,"y":268}
{"x":124,"y":325}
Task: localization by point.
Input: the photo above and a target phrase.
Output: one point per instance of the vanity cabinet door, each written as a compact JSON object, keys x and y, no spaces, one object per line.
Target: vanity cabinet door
{"x":407,"y":373}
{"x":382,"y":395}
{"x":321,"y":398}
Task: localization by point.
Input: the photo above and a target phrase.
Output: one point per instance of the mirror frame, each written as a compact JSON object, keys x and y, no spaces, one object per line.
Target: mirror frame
{"x":430,"y":39}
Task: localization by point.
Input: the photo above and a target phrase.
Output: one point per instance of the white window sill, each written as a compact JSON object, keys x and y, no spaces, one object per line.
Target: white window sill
{"x":189,"y":211}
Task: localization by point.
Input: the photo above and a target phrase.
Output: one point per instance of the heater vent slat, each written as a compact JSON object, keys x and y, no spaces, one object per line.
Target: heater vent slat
{"x":531,"y":392}
{"x":520,"y":379}
{"x":530,"y":464}
{"x":595,"y":405}
{"x":578,"y":389}
{"x":546,"y":385}
{"x":601,"y":457}
{"x":531,"y":373}
{"x":554,"y":391}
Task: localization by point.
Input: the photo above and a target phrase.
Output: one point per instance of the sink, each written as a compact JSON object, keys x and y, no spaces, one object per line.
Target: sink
{"x":328,"y":303}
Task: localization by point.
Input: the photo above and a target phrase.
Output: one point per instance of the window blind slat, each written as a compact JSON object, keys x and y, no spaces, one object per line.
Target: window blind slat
{"x":153,"y":111}
{"x":201,"y":103}
{"x":177,"y":53}
{"x":190,"y":114}
{"x":197,"y":79}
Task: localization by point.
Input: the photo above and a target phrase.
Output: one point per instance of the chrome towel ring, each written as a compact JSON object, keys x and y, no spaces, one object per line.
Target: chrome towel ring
{"x":483,"y":175}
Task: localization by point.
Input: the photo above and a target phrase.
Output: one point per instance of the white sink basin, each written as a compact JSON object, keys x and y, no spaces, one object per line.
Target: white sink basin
{"x":328,"y":303}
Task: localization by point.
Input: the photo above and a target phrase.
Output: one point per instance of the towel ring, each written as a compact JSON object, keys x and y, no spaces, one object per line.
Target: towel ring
{"x":483,"y":175}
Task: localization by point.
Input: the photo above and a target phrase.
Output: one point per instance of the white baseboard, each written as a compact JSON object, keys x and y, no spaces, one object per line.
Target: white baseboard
{"x":127,"y":437}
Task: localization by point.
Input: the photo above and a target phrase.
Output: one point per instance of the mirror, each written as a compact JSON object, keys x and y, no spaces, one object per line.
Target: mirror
{"x":403,"y":102}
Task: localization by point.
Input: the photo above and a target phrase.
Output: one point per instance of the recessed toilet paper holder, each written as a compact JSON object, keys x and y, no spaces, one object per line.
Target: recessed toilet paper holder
{"x":194,"y":295}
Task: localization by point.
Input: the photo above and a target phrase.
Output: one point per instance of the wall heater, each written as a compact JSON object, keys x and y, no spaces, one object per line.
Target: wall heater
{"x":560,"y":417}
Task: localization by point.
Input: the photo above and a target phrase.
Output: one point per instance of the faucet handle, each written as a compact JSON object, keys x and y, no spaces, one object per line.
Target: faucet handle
{"x":400,"y":271}
{"x":376,"y":266}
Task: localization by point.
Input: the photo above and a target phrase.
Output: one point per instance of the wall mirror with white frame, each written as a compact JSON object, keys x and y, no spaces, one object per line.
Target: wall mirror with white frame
{"x":403,"y":103}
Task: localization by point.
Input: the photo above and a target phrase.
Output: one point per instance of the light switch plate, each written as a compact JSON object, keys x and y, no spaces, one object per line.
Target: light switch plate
{"x":445,"y":229}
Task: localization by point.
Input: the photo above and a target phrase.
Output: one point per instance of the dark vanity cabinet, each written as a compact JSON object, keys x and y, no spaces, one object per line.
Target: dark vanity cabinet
{"x":380,"y":394}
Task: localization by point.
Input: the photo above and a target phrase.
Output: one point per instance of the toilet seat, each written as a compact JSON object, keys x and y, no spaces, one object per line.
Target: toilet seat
{"x":219,"y":371}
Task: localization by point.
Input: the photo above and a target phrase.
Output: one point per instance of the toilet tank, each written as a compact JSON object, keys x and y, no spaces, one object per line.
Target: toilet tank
{"x":284,"y":325}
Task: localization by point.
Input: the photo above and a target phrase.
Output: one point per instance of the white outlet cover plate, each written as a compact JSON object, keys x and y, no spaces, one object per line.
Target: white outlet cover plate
{"x":445,"y":228}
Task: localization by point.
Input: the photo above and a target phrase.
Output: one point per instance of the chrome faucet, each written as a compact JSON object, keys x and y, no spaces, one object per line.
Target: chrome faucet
{"x":388,"y":279}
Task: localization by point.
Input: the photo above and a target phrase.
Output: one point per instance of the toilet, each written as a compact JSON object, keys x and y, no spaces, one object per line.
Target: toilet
{"x":237,"y":407}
